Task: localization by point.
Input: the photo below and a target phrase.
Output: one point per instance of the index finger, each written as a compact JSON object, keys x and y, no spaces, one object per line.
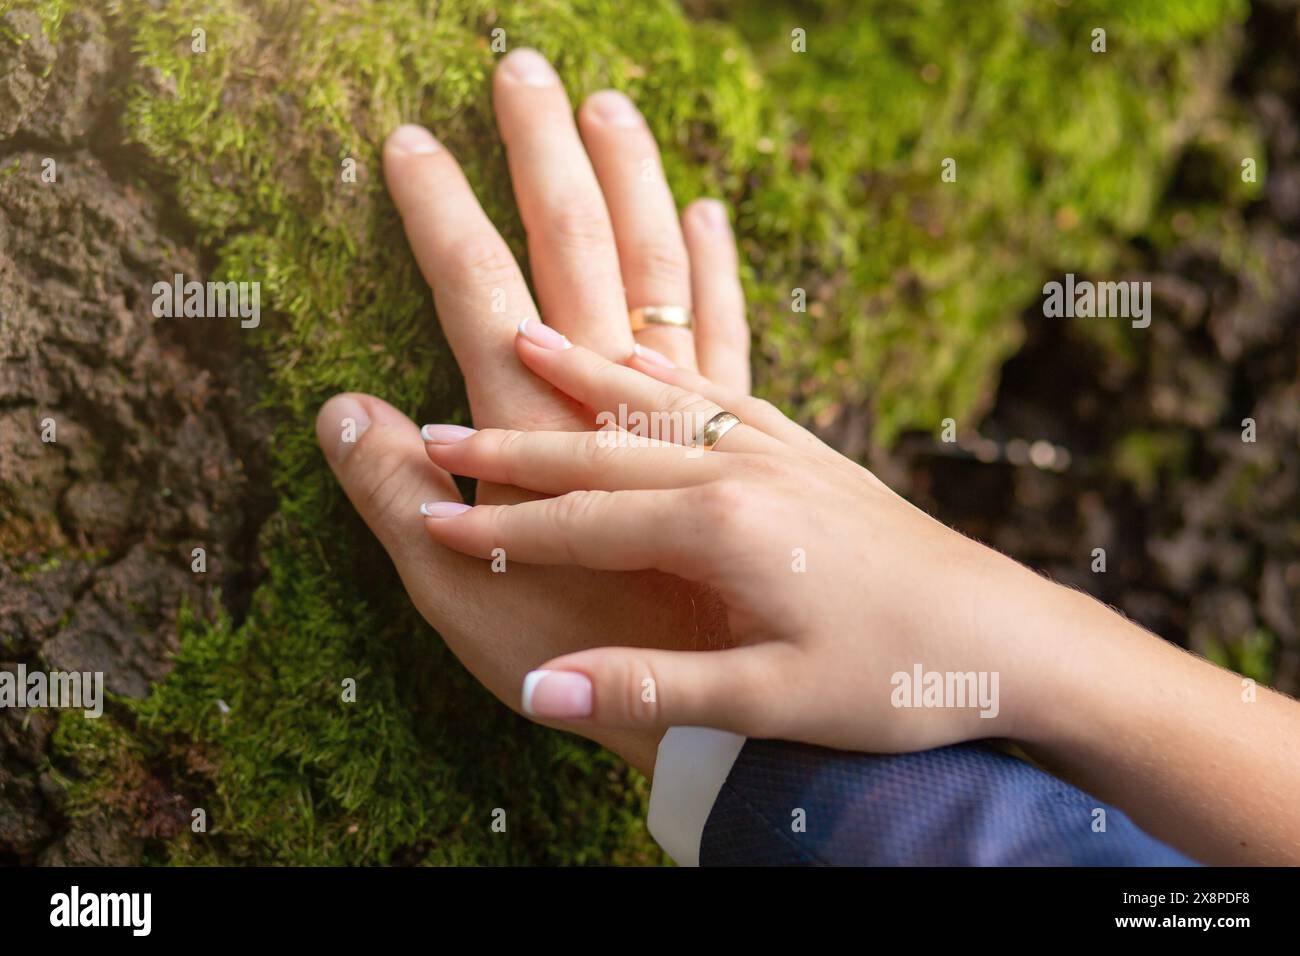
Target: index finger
{"x":478,"y":289}
{"x":617,"y":394}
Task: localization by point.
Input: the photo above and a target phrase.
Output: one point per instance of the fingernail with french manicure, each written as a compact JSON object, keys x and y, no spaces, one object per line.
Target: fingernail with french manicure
{"x":443,"y":509}
{"x":445,"y":434}
{"x":653,"y":357}
{"x":543,"y":335}
{"x":559,"y":695}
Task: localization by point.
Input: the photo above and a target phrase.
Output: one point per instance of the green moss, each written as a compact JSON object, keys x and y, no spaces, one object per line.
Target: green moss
{"x":51,"y":13}
{"x":402,"y":774}
{"x":831,"y":160}
{"x":104,"y":754}
{"x":1062,"y":155}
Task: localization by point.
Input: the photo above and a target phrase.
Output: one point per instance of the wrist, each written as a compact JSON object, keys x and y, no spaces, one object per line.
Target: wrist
{"x":1056,"y":646}
{"x":1087,"y":668}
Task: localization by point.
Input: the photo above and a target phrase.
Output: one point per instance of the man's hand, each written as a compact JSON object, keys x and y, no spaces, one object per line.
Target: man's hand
{"x":603,"y":237}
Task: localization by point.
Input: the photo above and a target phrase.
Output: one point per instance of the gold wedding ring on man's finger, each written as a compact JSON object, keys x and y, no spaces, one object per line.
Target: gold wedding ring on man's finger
{"x":671,"y":316}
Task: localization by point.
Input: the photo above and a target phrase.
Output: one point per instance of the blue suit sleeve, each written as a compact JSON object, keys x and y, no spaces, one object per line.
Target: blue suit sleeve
{"x":966,"y":805}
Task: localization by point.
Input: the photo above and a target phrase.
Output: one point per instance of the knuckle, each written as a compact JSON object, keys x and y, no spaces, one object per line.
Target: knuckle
{"x":600,"y":367}
{"x":661,"y":262}
{"x":723,"y":506}
{"x":383,"y":479}
{"x":484,"y":260}
{"x":491,"y":529}
{"x":764,"y":468}
{"x":581,"y":225}
{"x":573,"y":511}
{"x":505,"y":449}
{"x":761,"y":410}
{"x":600,"y":449}
{"x":637,"y":703}
{"x":509,"y":442}
{"x":576,"y":507}
{"x":678,"y":401}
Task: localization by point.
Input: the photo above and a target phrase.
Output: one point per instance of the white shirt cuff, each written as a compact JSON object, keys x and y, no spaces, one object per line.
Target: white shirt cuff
{"x":692,"y":766}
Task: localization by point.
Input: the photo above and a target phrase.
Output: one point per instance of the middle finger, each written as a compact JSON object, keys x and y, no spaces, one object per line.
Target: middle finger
{"x":558,"y":462}
{"x":656,"y":270}
{"x":570,"y":240}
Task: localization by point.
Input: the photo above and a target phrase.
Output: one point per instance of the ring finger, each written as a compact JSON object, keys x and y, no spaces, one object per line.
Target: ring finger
{"x":651,"y":251}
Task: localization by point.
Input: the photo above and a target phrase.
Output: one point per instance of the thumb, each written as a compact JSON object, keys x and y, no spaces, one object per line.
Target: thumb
{"x":378,"y":457}
{"x":638,"y":688}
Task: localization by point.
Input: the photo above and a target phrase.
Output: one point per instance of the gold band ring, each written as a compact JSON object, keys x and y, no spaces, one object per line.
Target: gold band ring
{"x":676,"y":316}
{"x":711,"y":432}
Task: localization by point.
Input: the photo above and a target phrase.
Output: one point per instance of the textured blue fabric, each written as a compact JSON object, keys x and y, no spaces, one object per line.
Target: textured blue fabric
{"x":966,"y":805}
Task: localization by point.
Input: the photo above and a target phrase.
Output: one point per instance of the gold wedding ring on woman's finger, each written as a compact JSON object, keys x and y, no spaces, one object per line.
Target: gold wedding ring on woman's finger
{"x":672,"y":316}
{"x":711,"y":432}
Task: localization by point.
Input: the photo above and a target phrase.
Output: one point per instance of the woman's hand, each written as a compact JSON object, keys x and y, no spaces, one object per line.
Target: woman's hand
{"x":847,"y":603}
{"x":834,"y":585}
